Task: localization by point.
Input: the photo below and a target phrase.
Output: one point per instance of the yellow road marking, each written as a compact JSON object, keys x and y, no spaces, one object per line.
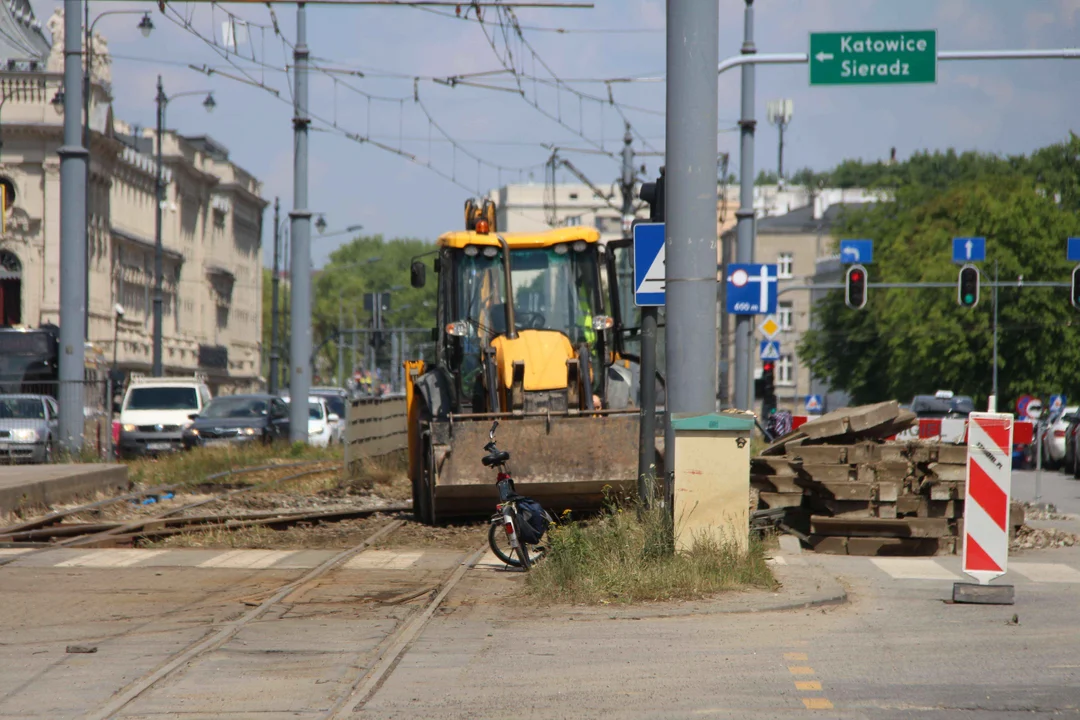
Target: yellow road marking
{"x":795,"y":656}
{"x":817,"y":704}
{"x":801,"y":670}
{"x":807,"y":685}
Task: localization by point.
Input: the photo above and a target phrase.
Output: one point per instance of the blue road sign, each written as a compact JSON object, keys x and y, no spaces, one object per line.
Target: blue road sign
{"x":1072,"y":250}
{"x":1057,"y":402}
{"x":751,"y":289}
{"x":968,"y":249}
{"x":770,"y":349}
{"x":649,"y":265}
{"x":857,"y":251}
{"x":814,"y":403}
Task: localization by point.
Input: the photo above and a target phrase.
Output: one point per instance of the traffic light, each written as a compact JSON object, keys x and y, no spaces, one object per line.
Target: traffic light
{"x":1075,"y":297}
{"x":967,"y":287}
{"x":653,"y":193}
{"x":855,"y":288}
{"x":766,"y":387}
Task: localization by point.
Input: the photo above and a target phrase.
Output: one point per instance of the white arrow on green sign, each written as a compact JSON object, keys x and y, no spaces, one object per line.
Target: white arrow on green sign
{"x":873,"y":58}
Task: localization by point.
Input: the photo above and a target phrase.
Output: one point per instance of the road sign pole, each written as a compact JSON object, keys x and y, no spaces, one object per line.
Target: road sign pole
{"x":994,"y":384}
{"x":744,"y":228}
{"x":693,"y":42}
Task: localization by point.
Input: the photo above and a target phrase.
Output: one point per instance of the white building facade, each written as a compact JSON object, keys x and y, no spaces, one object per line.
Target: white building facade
{"x":211,"y":227}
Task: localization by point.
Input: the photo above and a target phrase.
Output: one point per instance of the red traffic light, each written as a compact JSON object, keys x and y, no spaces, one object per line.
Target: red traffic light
{"x":855,"y":287}
{"x":768,"y":367}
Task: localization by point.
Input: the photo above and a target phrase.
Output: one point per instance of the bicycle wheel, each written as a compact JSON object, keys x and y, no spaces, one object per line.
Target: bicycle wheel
{"x":495,"y":534}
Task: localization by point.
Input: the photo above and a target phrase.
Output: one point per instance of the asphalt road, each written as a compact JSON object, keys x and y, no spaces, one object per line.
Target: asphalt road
{"x":896,"y":650}
{"x":1056,"y":487}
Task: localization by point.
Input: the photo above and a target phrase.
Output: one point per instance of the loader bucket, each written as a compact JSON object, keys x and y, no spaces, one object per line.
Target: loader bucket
{"x":565,"y":462}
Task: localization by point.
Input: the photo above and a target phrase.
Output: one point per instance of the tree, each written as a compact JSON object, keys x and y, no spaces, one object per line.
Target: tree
{"x":916,"y":341}
{"x":366,"y":265}
{"x":766,"y":177}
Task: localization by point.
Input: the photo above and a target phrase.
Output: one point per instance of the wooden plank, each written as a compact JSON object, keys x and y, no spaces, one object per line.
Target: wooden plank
{"x":880,"y":527}
{"x":822,"y":454}
{"x":893,"y":471}
{"x":842,"y":508}
{"x":775,"y":483}
{"x":843,"y":490}
{"x":782,"y":499}
{"x":772,"y":466}
{"x":826,"y":473}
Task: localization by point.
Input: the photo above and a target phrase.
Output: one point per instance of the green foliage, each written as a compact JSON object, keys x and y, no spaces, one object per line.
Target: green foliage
{"x":351,"y":272}
{"x":916,"y":341}
{"x":766,"y":177}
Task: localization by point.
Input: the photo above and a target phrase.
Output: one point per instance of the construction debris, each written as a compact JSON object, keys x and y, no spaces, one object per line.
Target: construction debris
{"x":844,"y":484}
{"x":1030,"y":538}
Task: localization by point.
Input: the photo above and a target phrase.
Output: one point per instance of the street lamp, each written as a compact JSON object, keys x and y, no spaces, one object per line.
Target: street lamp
{"x":320,"y":225}
{"x":162,"y":101}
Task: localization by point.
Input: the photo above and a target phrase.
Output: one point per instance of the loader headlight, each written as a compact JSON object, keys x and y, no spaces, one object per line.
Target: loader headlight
{"x":562,"y":249}
{"x":580,"y":246}
{"x":602,"y":322}
{"x":490,"y":251}
{"x":458,"y":328}
{"x":472,"y":250}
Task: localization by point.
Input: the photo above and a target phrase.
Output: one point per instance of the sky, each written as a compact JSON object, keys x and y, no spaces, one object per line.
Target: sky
{"x":398,"y":152}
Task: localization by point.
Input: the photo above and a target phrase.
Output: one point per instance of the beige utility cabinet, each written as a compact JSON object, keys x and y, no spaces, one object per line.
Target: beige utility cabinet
{"x":712,"y":477}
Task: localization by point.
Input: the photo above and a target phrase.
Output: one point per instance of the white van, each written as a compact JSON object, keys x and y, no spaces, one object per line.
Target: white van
{"x":156,"y":410}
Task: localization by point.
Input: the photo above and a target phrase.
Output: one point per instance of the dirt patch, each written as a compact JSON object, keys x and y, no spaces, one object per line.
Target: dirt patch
{"x":458,"y":536}
{"x":311,"y":536}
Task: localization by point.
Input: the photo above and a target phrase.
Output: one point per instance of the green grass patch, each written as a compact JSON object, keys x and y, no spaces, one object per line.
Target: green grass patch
{"x":625,"y":556}
{"x":191,"y":467}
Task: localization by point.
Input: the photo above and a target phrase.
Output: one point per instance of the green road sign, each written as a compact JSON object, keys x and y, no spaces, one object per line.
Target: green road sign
{"x":873,"y":58}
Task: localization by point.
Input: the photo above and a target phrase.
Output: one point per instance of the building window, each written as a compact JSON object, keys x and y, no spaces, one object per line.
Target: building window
{"x":785,"y":370}
{"x":784,"y":315}
{"x":784,"y":263}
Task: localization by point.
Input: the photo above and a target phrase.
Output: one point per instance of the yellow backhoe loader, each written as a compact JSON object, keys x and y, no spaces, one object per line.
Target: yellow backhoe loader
{"x":525,"y":334}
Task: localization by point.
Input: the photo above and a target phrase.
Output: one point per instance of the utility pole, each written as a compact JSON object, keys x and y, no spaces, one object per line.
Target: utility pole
{"x":159,"y":200}
{"x":780,"y":113}
{"x":341,"y":342}
{"x":744,"y":228}
{"x":275,"y":283}
{"x":73,"y":162}
{"x":994,"y":392}
{"x":647,"y":400}
{"x":690,"y":228}
{"x":300,"y":333}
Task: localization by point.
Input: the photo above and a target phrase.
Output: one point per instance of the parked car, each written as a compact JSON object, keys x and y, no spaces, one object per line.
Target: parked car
{"x":28,"y":427}
{"x":337,"y":400}
{"x":1053,"y":440}
{"x":1071,"y":431}
{"x":232,"y":419}
{"x":156,"y":412}
{"x":324,"y":427}
{"x":943,"y":404}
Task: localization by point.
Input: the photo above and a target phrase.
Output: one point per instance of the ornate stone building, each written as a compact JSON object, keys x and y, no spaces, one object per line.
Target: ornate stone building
{"x":211,"y":227}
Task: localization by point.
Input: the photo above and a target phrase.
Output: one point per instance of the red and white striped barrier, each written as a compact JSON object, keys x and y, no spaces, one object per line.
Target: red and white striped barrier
{"x":989,"y":484}
{"x":952,"y":430}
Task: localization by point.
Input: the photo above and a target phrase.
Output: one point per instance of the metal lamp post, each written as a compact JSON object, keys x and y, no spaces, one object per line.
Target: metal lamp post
{"x":162,"y":101}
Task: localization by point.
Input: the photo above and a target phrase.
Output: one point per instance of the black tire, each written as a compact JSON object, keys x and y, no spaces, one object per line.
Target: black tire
{"x":493,"y":541}
{"x":425,"y":512}
{"x":1076,"y":466}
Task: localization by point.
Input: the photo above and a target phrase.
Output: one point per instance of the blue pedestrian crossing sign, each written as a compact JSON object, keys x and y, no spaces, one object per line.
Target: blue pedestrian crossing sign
{"x":857,"y":251}
{"x":968,"y":249}
{"x":770,"y":349}
{"x":751,"y":289}
{"x":649,"y":265}
{"x":814,"y":403}
{"x":1072,"y":249}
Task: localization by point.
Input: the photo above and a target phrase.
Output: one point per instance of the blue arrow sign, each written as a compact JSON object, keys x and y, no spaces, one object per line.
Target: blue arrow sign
{"x":751,"y":289}
{"x":770,"y":349}
{"x":1057,"y":402}
{"x":1072,"y":250}
{"x":649,"y":288}
{"x":814,"y":403}
{"x":857,"y":251}
{"x":968,"y":249}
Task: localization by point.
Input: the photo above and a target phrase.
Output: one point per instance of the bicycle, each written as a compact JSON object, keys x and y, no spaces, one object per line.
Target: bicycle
{"x":506,"y":516}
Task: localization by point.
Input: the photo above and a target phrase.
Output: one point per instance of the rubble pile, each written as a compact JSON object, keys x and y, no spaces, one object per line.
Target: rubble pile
{"x":845,"y":488}
{"x":1031,"y":538}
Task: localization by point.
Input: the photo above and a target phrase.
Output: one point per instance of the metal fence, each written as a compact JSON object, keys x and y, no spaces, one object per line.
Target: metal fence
{"x":374,"y":427}
{"x":29,"y":421}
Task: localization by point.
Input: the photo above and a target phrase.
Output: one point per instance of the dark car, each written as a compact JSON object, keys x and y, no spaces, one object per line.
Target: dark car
{"x":942,"y":405}
{"x":234,"y":419}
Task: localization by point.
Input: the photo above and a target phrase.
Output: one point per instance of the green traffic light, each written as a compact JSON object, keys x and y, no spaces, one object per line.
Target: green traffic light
{"x":968,"y":299}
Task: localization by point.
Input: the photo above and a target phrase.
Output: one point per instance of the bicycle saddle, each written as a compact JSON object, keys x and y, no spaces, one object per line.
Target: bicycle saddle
{"x":497,"y":457}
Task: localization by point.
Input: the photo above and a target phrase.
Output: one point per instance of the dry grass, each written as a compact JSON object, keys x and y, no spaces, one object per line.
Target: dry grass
{"x":625,"y":557}
{"x":309,"y":536}
{"x":192,"y":467}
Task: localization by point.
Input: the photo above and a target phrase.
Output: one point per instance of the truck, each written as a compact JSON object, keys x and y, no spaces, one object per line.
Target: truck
{"x":528,"y":332}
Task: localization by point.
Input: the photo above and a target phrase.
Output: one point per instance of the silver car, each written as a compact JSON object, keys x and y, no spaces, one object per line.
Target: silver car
{"x":28,"y":428}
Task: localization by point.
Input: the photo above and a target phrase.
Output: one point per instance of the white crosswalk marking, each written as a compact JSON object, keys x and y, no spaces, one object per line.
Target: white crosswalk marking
{"x":110,"y":558}
{"x":246,"y":559}
{"x":8,"y":552}
{"x":913,"y":569}
{"x":1046,"y":572}
{"x":383,"y":560}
